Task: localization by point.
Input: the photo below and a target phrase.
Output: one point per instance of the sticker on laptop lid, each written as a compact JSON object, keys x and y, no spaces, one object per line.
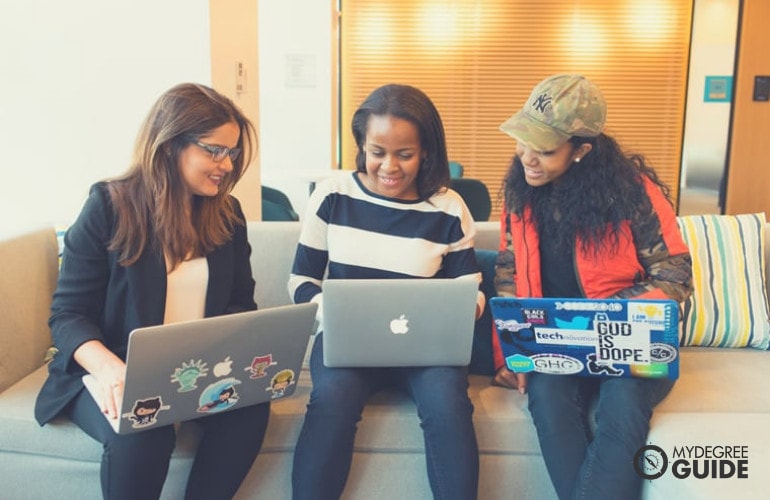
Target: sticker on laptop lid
{"x":600,"y":367}
{"x":144,"y":413}
{"x":218,"y":396}
{"x":280,"y":382}
{"x":188,"y":374}
{"x":621,"y":341}
{"x":662,"y":353}
{"x":259,"y":366}
{"x":557,"y":364}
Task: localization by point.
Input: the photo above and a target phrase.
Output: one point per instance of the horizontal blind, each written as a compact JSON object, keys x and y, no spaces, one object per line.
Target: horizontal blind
{"x":479,"y":60}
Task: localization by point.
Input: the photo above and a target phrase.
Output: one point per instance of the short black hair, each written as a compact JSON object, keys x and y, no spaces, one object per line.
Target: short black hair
{"x":411,"y":104}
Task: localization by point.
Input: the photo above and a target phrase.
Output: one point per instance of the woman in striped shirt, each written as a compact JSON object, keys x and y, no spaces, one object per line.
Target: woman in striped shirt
{"x":393,"y":217}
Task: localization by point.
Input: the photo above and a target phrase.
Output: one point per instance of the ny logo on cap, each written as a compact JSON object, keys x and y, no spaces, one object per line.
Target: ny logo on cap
{"x":542,"y":102}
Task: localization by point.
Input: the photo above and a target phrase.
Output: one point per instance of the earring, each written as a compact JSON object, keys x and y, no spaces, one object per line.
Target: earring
{"x":577,"y":160}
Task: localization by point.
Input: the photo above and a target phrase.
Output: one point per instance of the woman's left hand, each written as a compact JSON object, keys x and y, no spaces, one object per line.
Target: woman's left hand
{"x":510,"y":380}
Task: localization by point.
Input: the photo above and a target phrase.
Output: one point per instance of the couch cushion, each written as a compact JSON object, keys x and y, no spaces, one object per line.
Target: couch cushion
{"x":729,"y":306}
{"x":674,"y":431}
{"x":720,"y":381}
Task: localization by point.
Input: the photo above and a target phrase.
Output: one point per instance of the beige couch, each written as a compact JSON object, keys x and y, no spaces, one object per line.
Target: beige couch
{"x":720,"y":399}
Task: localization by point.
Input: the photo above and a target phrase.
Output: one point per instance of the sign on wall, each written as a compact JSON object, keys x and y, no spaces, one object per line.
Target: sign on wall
{"x":718,"y":89}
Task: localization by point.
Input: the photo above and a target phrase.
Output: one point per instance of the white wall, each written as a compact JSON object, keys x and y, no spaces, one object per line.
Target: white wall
{"x":76,"y":79}
{"x":295,"y":78}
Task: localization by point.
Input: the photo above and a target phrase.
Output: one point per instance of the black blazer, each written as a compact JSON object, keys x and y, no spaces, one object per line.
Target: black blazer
{"x":97,"y":298}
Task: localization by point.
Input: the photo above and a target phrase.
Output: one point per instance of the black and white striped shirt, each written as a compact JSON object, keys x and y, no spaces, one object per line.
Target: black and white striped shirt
{"x":350,"y":232}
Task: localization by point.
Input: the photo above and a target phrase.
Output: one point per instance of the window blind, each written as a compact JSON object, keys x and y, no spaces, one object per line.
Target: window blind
{"x":479,"y":60}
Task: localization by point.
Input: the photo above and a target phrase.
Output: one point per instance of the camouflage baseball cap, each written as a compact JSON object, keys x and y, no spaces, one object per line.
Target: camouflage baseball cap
{"x":558,"y":108}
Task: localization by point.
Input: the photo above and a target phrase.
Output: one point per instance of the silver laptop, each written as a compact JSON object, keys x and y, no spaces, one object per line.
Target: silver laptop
{"x":191,"y":369}
{"x":398,"y":322}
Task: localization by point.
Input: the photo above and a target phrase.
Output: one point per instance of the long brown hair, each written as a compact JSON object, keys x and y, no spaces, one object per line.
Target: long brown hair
{"x":149,"y":198}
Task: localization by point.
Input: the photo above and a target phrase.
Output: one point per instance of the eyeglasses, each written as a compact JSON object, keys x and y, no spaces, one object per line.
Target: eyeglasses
{"x":218,"y":153}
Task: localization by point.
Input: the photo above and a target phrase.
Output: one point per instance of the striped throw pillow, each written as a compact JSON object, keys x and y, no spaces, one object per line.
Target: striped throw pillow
{"x":729,"y":305}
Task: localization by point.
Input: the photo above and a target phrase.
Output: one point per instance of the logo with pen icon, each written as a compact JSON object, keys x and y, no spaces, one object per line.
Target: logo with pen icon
{"x":724,"y":461}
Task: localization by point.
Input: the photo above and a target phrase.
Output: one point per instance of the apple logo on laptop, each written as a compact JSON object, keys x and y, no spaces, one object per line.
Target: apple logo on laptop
{"x":223,"y":368}
{"x":399,"y":325}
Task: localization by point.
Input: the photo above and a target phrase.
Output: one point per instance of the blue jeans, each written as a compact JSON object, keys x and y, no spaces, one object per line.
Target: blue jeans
{"x":593,"y":464}
{"x":324,"y":449}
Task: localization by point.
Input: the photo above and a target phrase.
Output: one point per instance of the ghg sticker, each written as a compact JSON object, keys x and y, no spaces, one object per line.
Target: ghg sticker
{"x":558,"y":364}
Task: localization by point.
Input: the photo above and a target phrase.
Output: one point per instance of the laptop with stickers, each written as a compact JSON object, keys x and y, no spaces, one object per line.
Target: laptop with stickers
{"x":398,"y":322}
{"x":589,"y":337}
{"x":186,"y":370}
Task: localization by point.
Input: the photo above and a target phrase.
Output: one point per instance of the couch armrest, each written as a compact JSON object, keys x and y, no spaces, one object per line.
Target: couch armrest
{"x":29,"y":268}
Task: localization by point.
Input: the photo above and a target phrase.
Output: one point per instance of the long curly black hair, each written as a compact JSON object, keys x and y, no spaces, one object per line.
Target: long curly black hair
{"x":604,"y":189}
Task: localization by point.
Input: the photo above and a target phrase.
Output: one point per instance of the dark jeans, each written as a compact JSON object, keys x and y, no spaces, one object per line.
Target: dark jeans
{"x":324,"y":450}
{"x":599,"y":464}
{"x":135,"y":465}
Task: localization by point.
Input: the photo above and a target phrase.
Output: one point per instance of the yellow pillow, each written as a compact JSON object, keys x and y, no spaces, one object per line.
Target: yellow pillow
{"x":729,"y":306}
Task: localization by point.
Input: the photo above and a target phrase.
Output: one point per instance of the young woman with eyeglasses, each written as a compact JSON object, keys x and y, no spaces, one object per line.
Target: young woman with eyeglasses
{"x":165,"y":242}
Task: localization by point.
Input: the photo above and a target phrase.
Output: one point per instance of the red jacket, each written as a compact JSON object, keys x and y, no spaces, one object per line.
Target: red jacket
{"x":653,"y":265}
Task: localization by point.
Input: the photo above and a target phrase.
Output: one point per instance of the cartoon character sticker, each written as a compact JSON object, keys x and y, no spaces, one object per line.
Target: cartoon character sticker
{"x":601,"y":367}
{"x":218,"y":396}
{"x":259,"y":366}
{"x":280,"y":382}
{"x":188,"y":374}
{"x":145,"y":412}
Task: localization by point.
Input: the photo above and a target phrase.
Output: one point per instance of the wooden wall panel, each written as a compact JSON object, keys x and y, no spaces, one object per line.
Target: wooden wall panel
{"x":748,"y":178}
{"x":233,"y":27}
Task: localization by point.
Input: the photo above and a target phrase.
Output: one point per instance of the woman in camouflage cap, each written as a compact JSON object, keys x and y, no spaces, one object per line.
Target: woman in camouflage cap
{"x":584,"y":219}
